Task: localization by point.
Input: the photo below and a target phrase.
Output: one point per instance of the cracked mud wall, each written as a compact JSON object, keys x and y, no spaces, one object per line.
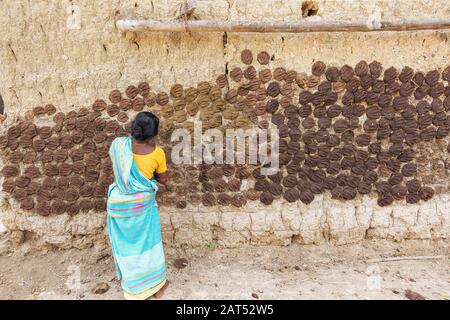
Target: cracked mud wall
{"x":41,"y":62}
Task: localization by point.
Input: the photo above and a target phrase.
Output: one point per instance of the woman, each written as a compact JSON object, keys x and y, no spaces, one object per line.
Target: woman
{"x":133,"y":219}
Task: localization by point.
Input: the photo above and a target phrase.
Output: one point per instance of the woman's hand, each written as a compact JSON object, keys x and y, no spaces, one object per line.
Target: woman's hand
{"x":162,"y":178}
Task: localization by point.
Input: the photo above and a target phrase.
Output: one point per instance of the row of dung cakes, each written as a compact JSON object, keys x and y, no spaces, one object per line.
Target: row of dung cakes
{"x":344,"y":130}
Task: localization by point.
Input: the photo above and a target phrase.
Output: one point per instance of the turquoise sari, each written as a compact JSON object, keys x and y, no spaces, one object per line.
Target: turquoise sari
{"x":134,"y":225}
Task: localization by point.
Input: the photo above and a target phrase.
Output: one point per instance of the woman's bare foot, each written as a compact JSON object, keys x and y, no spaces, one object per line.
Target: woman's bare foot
{"x":160,"y":292}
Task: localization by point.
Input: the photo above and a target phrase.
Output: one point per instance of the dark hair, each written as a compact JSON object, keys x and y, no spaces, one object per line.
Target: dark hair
{"x":144,"y":126}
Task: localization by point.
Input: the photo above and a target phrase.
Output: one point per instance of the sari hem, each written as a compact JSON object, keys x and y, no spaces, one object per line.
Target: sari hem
{"x":146,"y":293}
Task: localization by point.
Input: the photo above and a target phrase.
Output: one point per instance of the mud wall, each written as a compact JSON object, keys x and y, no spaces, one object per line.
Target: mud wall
{"x":45,"y":63}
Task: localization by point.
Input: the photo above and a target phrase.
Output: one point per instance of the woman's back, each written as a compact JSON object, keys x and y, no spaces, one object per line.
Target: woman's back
{"x":150,"y":163}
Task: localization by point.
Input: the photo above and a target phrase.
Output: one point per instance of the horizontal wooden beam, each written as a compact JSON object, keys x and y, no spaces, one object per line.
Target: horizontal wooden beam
{"x":306,"y":25}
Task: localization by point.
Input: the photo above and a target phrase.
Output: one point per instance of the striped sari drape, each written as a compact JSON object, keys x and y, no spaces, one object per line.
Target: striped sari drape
{"x":134,"y":225}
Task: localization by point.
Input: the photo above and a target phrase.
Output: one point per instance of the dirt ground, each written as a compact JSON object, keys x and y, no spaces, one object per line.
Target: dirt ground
{"x":293,"y":272}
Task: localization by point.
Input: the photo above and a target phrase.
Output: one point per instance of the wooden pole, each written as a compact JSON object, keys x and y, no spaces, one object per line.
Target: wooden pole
{"x":282,"y":26}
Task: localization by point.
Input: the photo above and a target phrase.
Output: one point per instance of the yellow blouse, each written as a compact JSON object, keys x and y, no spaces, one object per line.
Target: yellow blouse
{"x":152,"y":162}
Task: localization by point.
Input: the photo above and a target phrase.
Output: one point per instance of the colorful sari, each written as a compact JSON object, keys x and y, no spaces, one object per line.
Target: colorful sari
{"x":134,"y":225}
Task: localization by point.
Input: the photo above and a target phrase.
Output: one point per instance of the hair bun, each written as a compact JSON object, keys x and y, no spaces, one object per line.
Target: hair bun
{"x":145,"y":126}
{"x":136,"y":131}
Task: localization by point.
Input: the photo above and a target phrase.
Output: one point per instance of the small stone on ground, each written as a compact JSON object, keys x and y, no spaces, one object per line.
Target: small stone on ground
{"x":100,"y":288}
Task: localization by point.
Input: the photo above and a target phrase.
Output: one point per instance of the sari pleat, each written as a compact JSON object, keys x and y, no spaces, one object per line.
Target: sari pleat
{"x":134,"y":225}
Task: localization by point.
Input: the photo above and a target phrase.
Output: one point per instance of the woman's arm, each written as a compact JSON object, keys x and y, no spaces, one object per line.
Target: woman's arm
{"x":161,"y":172}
